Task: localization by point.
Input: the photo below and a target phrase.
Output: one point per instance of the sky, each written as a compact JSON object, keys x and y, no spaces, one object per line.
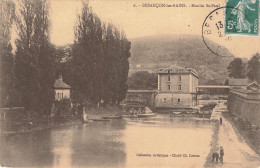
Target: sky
{"x":145,"y":21}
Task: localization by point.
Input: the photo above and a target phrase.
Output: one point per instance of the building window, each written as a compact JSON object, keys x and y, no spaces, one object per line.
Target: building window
{"x":179,"y":100}
{"x":169,"y":70}
{"x":60,"y":95}
{"x":169,"y":78}
{"x":179,"y":87}
{"x":169,"y":87}
{"x":179,"y":78}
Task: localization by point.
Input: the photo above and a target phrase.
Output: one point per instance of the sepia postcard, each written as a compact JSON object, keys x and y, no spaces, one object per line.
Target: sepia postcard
{"x":130,"y":83}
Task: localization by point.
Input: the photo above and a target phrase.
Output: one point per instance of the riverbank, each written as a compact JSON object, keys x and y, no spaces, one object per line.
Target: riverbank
{"x":27,"y":128}
{"x":101,"y":112}
{"x":16,"y":121}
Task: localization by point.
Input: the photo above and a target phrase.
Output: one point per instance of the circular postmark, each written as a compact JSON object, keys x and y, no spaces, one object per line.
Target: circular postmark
{"x":214,"y":28}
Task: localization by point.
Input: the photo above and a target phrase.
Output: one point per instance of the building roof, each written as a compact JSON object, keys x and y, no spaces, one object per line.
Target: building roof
{"x":253,"y":86}
{"x":238,"y":82}
{"x":214,"y":86}
{"x":141,"y":91}
{"x":59,"y":84}
{"x":177,"y":69}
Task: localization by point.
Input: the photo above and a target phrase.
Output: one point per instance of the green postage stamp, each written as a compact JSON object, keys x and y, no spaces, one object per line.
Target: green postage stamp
{"x":242,"y":17}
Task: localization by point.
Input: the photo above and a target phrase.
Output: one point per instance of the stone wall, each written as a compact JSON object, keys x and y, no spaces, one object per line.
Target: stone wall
{"x":245,"y":105}
{"x":175,"y":100}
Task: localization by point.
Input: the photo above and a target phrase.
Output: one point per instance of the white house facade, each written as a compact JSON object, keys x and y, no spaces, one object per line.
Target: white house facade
{"x":62,"y":90}
{"x":176,"y":88}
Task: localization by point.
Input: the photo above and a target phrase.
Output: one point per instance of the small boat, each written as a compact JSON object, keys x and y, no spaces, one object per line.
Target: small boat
{"x":146,"y":115}
{"x":177,"y":115}
{"x":176,"y":112}
{"x":112,"y":117}
{"x":87,"y":121}
{"x":130,"y":116}
{"x":101,"y":119}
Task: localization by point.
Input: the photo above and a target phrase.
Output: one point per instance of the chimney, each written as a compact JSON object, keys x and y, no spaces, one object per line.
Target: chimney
{"x":60,"y":77}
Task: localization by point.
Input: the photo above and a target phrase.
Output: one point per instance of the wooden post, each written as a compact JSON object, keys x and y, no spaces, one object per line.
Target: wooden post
{"x":5,"y":119}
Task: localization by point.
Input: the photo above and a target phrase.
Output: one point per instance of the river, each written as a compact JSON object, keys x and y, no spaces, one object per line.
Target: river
{"x":153,"y":142}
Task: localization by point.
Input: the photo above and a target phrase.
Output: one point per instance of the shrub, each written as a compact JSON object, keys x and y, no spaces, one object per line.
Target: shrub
{"x":209,"y":106}
{"x":63,"y":106}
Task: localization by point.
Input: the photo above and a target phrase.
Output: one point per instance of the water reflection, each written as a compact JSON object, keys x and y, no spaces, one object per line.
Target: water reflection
{"x":112,"y":144}
{"x":61,"y":146}
{"x":167,"y":136}
{"x":62,"y":157}
{"x":24,"y":150}
{"x":101,"y":145}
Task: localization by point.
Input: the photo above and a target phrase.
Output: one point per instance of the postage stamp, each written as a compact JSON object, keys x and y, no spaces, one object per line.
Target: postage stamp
{"x":242,"y":17}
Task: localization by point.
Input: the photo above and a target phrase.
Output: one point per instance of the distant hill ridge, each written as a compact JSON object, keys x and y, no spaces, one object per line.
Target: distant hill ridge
{"x":154,"y":52}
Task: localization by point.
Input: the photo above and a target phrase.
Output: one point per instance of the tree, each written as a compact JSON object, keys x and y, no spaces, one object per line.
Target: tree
{"x":100,"y":60}
{"x":108,"y":58}
{"x":125,"y":55}
{"x":116,"y":64}
{"x":34,"y":66}
{"x":253,"y":68}
{"x":25,"y":59}
{"x":235,"y":68}
{"x":142,"y":80}
{"x":87,"y":56}
{"x":46,"y":55}
{"x":63,"y":62}
{"x":6,"y":56}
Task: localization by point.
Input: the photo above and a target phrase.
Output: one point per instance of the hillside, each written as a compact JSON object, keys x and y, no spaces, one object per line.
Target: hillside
{"x":155,"y":52}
